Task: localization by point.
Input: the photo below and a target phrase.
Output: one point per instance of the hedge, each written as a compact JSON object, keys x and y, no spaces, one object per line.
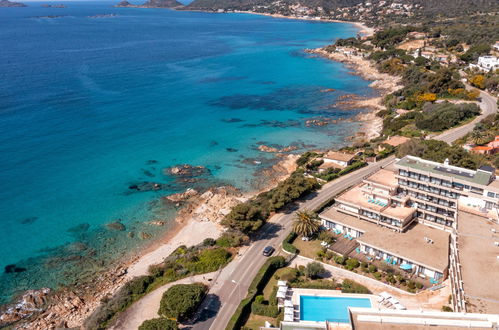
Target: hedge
{"x":264,"y":310}
{"x":259,"y":281}
{"x":158,"y":324}
{"x":287,"y":244}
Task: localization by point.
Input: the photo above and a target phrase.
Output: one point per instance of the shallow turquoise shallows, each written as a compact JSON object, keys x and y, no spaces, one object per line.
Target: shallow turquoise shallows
{"x":96,"y":99}
{"x":332,"y":309}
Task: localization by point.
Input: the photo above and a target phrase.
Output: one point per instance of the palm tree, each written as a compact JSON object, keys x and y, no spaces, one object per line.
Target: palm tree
{"x":476,"y":136}
{"x":306,"y":223}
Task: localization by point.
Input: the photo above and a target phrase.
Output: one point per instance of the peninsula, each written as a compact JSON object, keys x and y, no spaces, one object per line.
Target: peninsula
{"x":7,"y":3}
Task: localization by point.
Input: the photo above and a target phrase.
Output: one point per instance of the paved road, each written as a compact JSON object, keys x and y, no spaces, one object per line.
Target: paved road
{"x":489,"y":107}
{"x":234,"y":280}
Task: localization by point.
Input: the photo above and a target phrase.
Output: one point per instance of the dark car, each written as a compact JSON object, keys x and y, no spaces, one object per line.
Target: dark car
{"x":268,"y":251}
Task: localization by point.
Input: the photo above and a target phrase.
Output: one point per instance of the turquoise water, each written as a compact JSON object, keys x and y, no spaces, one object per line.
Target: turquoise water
{"x":95,"y":99}
{"x":333,"y":309}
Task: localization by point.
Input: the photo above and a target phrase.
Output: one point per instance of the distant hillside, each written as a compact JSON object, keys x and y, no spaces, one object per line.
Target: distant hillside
{"x":163,"y":4}
{"x":424,"y":7}
{"x":153,"y":4}
{"x":7,"y":3}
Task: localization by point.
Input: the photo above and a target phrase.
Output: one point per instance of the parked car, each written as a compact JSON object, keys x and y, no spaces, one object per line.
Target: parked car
{"x":268,"y":251}
{"x":305,"y":238}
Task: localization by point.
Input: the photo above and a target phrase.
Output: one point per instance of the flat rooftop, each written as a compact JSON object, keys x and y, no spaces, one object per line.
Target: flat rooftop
{"x":357,"y":197}
{"x":384,"y":177}
{"x":476,"y":177}
{"x":409,"y":245}
{"x":479,"y":262}
{"x":374,"y":319}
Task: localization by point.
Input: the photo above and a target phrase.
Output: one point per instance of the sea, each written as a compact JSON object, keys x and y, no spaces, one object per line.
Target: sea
{"x":97,"y":102}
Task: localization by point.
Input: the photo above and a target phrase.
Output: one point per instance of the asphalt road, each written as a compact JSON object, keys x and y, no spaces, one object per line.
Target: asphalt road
{"x":232,"y":284}
{"x":487,"y":104}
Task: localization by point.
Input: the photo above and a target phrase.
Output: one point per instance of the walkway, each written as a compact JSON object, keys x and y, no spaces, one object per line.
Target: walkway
{"x":147,"y":307}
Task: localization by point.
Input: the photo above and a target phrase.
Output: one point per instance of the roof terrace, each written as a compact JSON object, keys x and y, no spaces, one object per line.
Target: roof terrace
{"x":480,"y":177}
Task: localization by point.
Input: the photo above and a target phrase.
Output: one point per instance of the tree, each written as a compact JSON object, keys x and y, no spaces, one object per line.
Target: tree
{"x":476,"y":136}
{"x":478,"y":81}
{"x":306,"y":223}
{"x":158,"y":324}
{"x":181,"y":301}
{"x":314,"y":270}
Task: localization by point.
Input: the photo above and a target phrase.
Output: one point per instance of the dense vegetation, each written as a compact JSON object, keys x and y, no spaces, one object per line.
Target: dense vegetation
{"x":439,"y":117}
{"x":438,"y":151}
{"x":181,"y":301}
{"x":249,"y":216}
{"x":183,"y":262}
{"x":158,"y":324}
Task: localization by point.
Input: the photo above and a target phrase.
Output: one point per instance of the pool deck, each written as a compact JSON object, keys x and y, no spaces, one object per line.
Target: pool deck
{"x":330,"y":293}
{"x":297,"y":293}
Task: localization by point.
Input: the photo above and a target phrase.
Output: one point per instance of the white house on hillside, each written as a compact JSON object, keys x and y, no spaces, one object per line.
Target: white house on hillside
{"x":486,"y":63}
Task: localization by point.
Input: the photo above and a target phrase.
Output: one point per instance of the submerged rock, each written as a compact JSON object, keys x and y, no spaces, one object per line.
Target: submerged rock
{"x":82,"y":227}
{"x":28,"y":221}
{"x":9,"y":269}
{"x":116,"y":226}
{"x":186,"y":170}
{"x":231,"y":149}
{"x":148,"y":186}
{"x":144,"y":235}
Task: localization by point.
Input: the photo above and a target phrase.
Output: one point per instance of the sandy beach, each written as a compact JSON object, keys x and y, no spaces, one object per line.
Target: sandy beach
{"x":364,"y":30}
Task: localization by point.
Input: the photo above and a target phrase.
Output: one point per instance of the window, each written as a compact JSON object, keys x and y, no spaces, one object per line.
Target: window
{"x":491,"y":194}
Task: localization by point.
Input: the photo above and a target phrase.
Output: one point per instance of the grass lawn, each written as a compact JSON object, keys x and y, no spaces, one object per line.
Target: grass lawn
{"x":256,"y":321}
{"x":308,"y":249}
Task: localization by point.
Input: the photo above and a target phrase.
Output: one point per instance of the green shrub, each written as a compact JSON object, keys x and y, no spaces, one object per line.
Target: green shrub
{"x":231,"y":239}
{"x":377,"y":275}
{"x":352,"y":263}
{"x":209,"y":242}
{"x":314,"y":270}
{"x":447,"y":309}
{"x":287,"y":244}
{"x":339,"y":260}
{"x":259,"y":299}
{"x":391,"y":279}
{"x":372,"y":269}
{"x":181,"y":301}
{"x":316,"y":284}
{"x":158,"y":324}
{"x":419,"y":285}
{"x":209,"y":260}
{"x":411,"y":285}
{"x":264,"y":310}
{"x":364,"y":264}
{"x":139,"y":284}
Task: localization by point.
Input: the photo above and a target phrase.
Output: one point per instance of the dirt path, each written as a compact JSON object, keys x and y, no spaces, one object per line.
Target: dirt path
{"x":147,"y":307}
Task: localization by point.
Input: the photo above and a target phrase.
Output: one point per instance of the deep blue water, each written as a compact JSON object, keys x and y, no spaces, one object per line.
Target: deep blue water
{"x":90,"y":105}
{"x":333,"y":309}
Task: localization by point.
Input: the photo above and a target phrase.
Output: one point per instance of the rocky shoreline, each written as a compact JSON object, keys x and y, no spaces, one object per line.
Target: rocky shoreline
{"x":198,"y":217}
{"x":382,"y":82}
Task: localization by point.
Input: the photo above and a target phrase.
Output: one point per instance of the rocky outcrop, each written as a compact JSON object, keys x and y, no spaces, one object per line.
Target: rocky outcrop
{"x":30,"y":302}
{"x":7,"y":3}
{"x":265,"y":148}
{"x":186,"y":170}
{"x":124,"y":3}
{"x":182,"y":197}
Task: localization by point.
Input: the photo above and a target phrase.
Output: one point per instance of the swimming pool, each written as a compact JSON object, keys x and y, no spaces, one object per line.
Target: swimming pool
{"x":333,"y":309}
